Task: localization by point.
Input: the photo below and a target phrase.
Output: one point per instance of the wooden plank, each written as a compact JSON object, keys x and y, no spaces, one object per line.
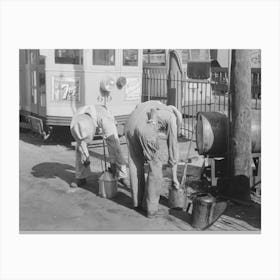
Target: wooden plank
{"x":223,"y":226}
{"x":236,"y":222}
{"x":214,"y":228}
{"x":233,"y":226}
{"x":226,"y":223}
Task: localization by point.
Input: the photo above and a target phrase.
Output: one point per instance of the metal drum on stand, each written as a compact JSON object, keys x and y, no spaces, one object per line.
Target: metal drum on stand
{"x":256,"y":131}
{"x":212,"y":133}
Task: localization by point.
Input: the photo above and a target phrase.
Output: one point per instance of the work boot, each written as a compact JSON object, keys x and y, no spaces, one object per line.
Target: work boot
{"x":79,"y":183}
{"x":156,"y":214}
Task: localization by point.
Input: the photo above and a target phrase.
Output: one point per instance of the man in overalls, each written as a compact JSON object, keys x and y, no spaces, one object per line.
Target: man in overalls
{"x":83,"y":127}
{"x":142,"y":132}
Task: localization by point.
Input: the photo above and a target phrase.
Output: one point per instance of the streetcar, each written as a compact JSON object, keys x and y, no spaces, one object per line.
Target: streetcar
{"x":55,"y":82}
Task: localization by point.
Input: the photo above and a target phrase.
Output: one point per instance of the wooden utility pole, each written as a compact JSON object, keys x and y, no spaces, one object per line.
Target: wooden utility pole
{"x":240,"y":126}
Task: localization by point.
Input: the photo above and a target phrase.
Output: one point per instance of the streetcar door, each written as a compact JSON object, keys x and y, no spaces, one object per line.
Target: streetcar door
{"x":38,"y":83}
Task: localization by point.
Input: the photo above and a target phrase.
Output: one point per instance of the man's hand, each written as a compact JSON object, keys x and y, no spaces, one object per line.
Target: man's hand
{"x":176,"y":184}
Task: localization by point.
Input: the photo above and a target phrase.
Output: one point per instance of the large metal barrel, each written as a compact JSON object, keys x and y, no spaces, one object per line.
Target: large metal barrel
{"x":212,"y":133}
{"x":256,"y":131}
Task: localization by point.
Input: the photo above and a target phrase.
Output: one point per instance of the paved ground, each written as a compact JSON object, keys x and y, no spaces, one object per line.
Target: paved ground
{"x":48,"y":204}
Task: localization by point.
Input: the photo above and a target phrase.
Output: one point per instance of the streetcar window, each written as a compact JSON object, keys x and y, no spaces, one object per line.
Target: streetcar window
{"x":26,"y":56}
{"x":130,"y":57}
{"x":103,"y":57}
{"x":33,"y":57}
{"x":42,"y":59}
{"x":68,"y":57}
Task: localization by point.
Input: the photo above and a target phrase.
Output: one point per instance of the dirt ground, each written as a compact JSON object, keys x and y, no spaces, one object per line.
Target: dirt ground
{"x":47,"y":203}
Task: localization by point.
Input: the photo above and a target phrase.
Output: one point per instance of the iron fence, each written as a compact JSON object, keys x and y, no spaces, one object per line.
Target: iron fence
{"x":192,"y":96}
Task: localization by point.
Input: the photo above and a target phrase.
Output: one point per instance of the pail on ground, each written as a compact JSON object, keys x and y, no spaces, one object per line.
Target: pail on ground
{"x":177,"y":198}
{"x":108,"y":185}
{"x":203,"y":210}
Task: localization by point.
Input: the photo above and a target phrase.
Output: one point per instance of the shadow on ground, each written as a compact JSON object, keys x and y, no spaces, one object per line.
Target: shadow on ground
{"x":49,"y":170}
{"x":66,"y":172}
{"x":250,"y":214}
{"x":62,"y":138}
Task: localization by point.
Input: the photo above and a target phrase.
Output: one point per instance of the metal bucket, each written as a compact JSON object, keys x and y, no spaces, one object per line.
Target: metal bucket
{"x":177,"y":198}
{"x":203,"y":210}
{"x":108,"y":185}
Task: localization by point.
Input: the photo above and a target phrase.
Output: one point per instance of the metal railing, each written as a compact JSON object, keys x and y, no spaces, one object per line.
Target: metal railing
{"x":192,"y":96}
{"x":154,"y":84}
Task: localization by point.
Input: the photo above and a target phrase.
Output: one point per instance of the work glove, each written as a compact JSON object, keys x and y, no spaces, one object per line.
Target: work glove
{"x":86,"y":162}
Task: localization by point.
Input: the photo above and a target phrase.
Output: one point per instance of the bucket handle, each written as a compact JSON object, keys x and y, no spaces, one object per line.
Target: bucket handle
{"x":104,"y":152}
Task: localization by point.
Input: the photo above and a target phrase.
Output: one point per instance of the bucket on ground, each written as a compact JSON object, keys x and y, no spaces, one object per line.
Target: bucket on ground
{"x":177,"y":198}
{"x":203,"y":210}
{"x":108,"y":185}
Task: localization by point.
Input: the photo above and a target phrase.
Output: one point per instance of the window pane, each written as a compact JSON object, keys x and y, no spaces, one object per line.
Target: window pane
{"x":185,"y":56}
{"x":68,"y":57}
{"x":130,"y":57}
{"x":154,"y":57}
{"x":33,"y":57}
{"x":198,"y":70}
{"x":103,"y":57}
{"x":34,"y":95}
{"x":213,"y":54}
{"x":198,"y":64}
{"x":157,"y":59}
{"x":200,"y":55}
{"x":42,"y":60}
{"x":42,"y":86}
{"x":34,"y":79}
{"x":26,"y":57}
